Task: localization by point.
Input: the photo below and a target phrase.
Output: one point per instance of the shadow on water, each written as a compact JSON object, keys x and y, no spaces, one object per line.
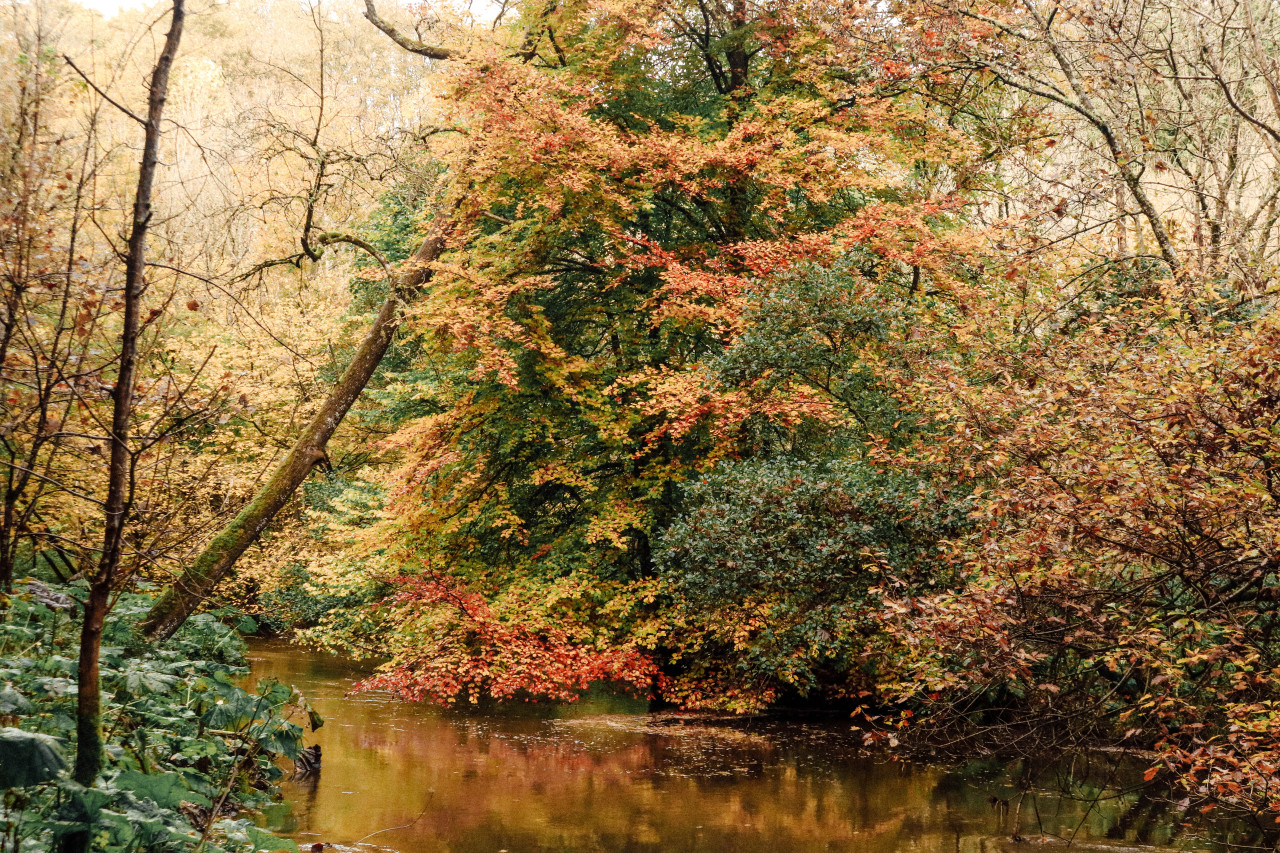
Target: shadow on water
{"x":601,"y":775}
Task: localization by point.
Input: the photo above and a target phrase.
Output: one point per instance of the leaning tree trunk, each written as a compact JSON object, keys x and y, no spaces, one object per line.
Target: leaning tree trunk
{"x":181,"y":598}
{"x":89,"y":741}
{"x":195,"y":584}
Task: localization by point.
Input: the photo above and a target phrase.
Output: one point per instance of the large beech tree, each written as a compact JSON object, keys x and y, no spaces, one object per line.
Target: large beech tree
{"x":636,"y":173}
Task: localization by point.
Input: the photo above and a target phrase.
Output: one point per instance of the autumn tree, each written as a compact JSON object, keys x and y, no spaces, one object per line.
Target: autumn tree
{"x":38,"y":398}
{"x":777,"y":561}
{"x":339,"y":161}
{"x":83,"y":374}
{"x":1108,"y":404}
{"x":634,"y":179}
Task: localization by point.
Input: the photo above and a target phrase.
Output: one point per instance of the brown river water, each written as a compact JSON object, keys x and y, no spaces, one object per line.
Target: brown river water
{"x":601,"y":776}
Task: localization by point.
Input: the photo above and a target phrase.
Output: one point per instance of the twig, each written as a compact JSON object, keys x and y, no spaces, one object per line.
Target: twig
{"x":121,"y":107}
{"x":393,"y":828}
{"x":210,"y":282}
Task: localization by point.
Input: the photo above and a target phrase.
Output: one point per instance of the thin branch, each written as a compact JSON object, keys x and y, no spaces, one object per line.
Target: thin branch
{"x":121,"y":107}
{"x":211,"y":283}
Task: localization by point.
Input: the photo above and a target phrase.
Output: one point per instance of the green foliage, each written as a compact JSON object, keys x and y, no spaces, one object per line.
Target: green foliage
{"x":28,"y":758}
{"x":294,"y":602}
{"x":819,"y":530}
{"x":776,"y":569}
{"x":656,"y":274}
{"x":187,"y":744}
{"x":827,"y":329}
{"x":776,"y":565}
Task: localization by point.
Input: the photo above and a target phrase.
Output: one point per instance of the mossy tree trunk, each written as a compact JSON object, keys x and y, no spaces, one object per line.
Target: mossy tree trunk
{"x":185,"y":595}
{"x":197,"y":581}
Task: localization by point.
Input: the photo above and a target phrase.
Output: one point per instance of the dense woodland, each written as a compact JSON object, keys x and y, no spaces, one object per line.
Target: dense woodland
{"x":917,"y":359}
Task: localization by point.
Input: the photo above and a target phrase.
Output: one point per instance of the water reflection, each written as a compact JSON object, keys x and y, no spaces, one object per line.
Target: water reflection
{"x":591,"y":777}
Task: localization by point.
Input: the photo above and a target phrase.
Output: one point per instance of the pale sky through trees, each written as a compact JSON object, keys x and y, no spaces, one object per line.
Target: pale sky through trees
{"x":484,"y":10}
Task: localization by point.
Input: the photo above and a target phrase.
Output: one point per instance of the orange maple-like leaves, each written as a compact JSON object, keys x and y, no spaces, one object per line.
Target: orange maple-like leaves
{"x":481,"y":655}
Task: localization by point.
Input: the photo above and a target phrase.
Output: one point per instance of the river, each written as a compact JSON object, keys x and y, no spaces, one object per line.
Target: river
{"x":600,"y":775}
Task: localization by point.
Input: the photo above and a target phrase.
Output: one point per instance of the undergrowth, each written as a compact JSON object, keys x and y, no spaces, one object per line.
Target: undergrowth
{"x":191,"y":754}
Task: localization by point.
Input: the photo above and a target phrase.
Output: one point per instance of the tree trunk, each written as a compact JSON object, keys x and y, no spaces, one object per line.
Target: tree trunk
{"x":182,"y":597}
{"x":120,"y":473}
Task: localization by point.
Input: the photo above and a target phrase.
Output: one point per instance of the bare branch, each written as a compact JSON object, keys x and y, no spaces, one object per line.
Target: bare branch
{"x":121,"y":107}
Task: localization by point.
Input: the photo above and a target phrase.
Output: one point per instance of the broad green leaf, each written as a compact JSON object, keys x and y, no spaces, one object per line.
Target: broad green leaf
{"x":263,"y":840}
{"x":140,"y":682}
{"x":13,"y":702}
{"x":167,"y":790}
{"x":28,"y":758}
